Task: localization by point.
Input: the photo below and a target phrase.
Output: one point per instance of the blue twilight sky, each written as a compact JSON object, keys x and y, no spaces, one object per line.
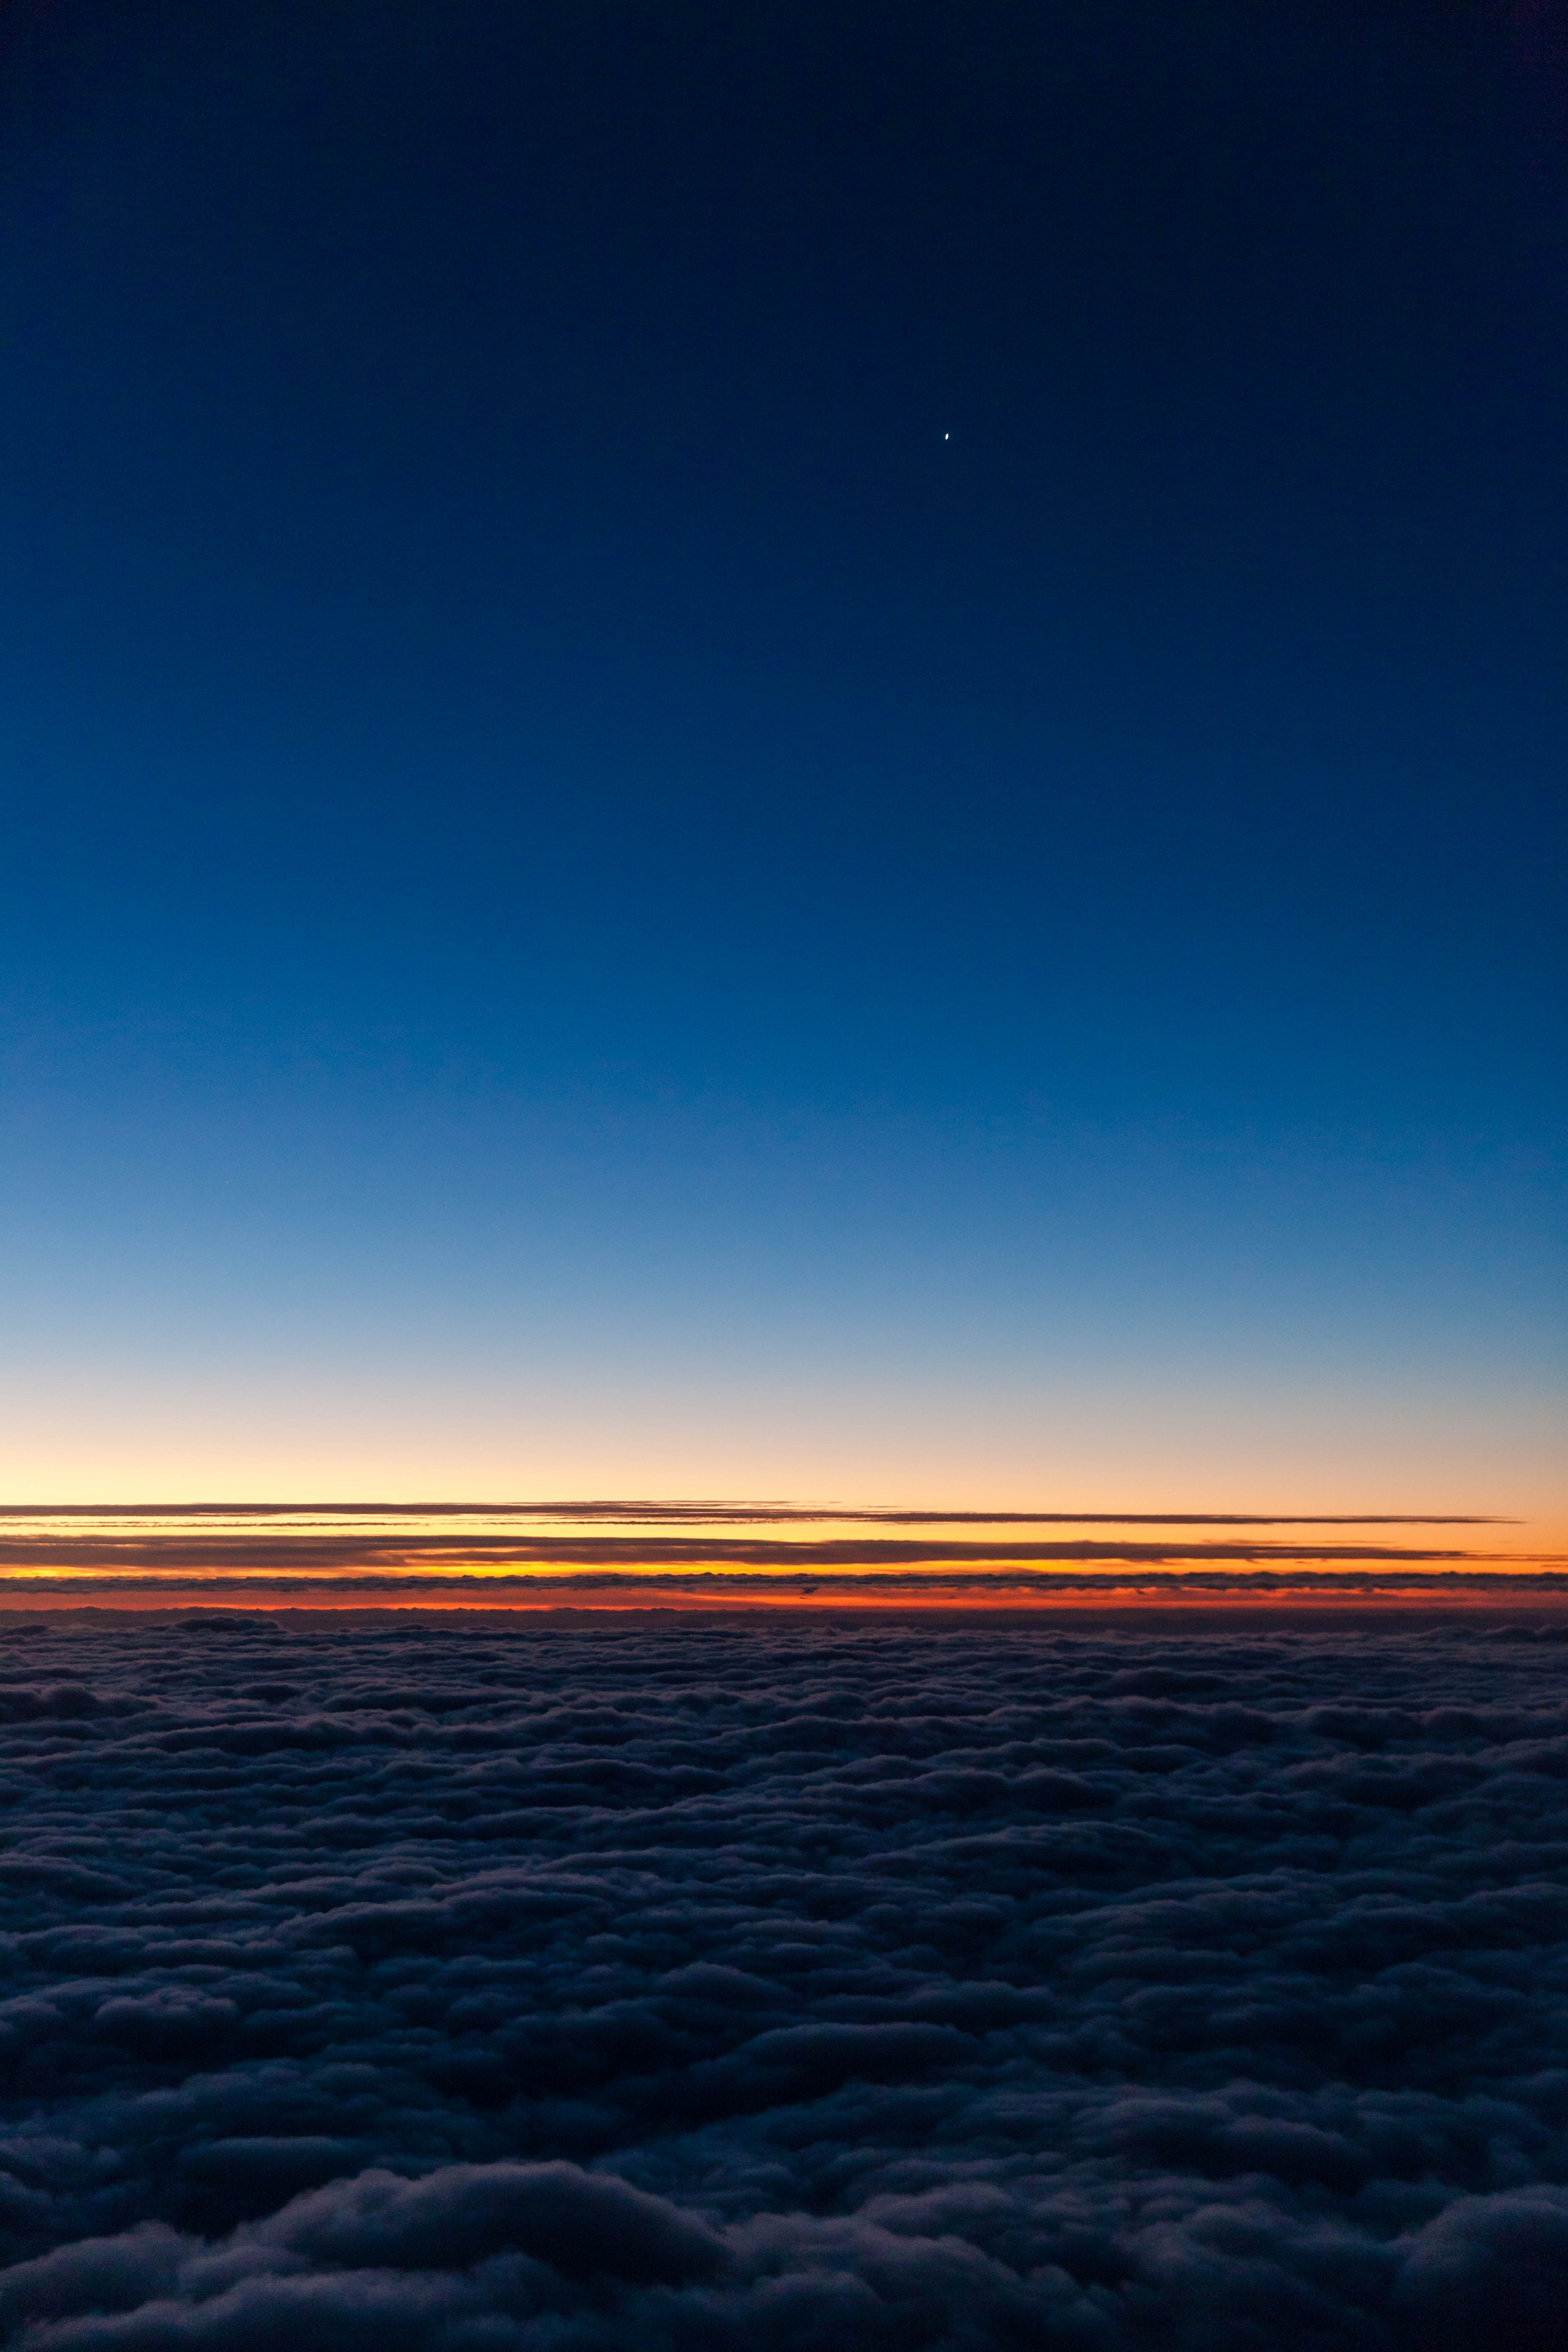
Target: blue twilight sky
{"x":792,"y":748}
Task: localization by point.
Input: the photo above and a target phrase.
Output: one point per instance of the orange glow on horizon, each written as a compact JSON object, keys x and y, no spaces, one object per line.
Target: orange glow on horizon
{"x":711,"y":1554}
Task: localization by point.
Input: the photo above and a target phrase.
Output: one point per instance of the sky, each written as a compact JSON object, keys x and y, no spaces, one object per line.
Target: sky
{"x":810,"y":752}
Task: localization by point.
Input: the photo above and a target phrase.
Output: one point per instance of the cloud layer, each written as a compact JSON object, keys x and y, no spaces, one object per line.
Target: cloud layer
{"x":694,"y":1546}
{"x":630,"y":1549}
{"x":551,"y":1985}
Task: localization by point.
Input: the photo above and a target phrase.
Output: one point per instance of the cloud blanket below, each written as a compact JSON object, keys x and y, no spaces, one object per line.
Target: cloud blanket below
{"x":551,"y":1985}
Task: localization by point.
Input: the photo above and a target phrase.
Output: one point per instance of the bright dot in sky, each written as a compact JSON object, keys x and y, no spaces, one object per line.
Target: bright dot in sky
{"x":947,"y":436}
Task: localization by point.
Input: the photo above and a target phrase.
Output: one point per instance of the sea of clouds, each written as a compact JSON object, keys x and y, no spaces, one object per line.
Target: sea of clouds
{"x":786,"y":1982}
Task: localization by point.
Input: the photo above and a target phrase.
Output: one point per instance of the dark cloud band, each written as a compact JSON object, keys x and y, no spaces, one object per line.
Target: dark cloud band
{"x":713,"y":1514}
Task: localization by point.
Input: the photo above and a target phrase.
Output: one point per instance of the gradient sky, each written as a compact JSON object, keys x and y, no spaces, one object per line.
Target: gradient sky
{"x":792,"y":750}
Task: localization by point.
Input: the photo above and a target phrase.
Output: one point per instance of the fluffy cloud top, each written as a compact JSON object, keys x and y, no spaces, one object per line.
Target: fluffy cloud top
{"x":533,"y":1985}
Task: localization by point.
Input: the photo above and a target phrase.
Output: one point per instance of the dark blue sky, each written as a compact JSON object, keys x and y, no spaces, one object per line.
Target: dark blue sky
{"x":694,"y":685}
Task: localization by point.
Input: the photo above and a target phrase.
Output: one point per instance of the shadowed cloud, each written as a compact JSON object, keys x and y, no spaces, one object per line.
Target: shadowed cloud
{"x":435,"y":1984}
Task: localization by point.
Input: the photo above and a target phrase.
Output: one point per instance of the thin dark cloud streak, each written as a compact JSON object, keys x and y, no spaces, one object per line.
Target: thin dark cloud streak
{"x":479,"y":1586}
{"x":321,"y":1555}
{"x":746,"y":1514}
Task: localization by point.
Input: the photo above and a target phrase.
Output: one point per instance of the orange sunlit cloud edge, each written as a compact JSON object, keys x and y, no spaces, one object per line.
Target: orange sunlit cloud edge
{"x":465,"y":1556}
